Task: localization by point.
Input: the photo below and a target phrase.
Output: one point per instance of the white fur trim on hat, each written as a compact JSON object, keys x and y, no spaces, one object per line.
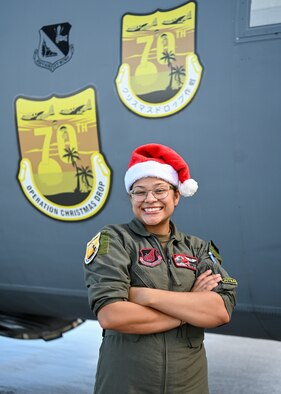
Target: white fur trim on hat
{"x":151,"y":169}
{"x":156,"y":160}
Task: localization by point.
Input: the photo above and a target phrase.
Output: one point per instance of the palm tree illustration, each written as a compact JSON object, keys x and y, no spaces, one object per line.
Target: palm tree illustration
{"x":178,"y":72}
{"x":85,"y":173}
{"x":73,"y":155}
{"x":169,"y":57}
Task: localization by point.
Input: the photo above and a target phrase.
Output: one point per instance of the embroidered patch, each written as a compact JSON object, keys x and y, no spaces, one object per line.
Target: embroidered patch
{"x":229,"y":281}
{"x":150,"y":257}
{"x":104,"y":243}
{"x":184,"y":261}
{"x":92,"y":248}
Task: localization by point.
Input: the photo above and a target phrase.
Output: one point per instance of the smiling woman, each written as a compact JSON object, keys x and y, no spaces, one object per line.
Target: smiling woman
{"x":153,"y":202}
{"x":153,"y":288}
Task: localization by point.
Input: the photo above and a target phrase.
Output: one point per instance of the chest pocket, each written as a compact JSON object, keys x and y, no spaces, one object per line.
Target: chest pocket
{"x":149,"y":269}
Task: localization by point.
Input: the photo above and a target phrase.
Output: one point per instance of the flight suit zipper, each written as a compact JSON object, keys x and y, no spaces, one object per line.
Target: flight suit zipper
{"x":165,"y":259}
{"x":168,"y":260}
{"x":165,"y":369}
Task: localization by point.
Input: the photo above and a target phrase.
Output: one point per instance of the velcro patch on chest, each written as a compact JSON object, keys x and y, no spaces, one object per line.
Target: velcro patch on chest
{"x":185,"y":261}
{"x":150,"y":257}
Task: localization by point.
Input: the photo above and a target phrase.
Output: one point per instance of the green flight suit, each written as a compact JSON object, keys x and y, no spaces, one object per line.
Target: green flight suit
{"x":172,"y":362}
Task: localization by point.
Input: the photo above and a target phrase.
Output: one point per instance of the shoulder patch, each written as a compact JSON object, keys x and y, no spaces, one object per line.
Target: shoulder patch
{"x":229,"y":281}
{"x":92,"y":248}
{"x":104,"y":243}
{"x":214,"y":253}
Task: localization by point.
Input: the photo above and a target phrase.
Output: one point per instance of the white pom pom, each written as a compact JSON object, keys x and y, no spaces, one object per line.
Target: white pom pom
{"x":188,"y":188}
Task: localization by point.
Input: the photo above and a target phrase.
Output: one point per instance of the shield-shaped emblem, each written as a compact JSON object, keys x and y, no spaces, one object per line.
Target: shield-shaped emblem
{"x":160,"y":71}
{"x":150,"y":257}
{"x":54,"y":49}
{"x":92,"y":248}
{"x":62,"y":172}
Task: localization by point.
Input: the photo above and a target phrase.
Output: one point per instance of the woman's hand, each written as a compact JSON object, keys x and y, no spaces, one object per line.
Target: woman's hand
{"x":200,"y":307}
{"x":206,"y":281}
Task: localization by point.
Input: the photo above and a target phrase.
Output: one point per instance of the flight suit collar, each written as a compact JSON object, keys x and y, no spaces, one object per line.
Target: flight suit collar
{"x":137,"y":227}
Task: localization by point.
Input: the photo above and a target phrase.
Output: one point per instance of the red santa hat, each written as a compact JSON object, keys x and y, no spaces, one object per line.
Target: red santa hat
{"x":160,"y":161}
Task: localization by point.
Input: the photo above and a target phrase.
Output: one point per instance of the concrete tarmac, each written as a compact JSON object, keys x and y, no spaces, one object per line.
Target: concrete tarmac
{"x":67,"y":365}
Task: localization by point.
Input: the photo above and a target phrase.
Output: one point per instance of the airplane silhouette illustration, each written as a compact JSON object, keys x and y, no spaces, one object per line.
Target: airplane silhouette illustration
{"x":80,"y":109}
{"x":144,"y":26}
{"x":41,"y":115}
{"x":178,"y":20}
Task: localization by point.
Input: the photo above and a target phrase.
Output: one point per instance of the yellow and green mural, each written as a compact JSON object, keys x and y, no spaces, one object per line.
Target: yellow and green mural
{"x":160,"y":71}
{"x":62,"y":172}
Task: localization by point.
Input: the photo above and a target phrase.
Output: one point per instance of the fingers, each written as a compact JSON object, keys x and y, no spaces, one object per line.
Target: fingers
{"x":206,"y":281}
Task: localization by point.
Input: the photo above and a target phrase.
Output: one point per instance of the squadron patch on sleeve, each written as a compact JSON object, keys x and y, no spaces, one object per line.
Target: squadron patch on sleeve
{"x":92,"y":248}
{"x":229,"y":281}
{"x":104,"y":243}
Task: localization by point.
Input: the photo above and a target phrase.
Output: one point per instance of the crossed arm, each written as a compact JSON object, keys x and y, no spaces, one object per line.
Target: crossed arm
{"x":151,"y":310}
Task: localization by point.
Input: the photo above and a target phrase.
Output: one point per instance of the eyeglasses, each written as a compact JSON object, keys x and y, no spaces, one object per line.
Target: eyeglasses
{"x":159,"y":193}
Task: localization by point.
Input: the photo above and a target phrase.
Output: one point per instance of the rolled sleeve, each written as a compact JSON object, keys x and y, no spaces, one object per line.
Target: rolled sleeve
{"x":107,"y":275}
{"x":227,"y":287}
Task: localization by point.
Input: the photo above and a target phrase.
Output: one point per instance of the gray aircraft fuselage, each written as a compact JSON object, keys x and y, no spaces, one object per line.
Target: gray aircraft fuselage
{"x":228,"y":132}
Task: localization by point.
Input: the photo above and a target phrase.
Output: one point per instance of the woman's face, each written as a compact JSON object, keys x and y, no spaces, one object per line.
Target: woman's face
{"x":154,"y":213}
